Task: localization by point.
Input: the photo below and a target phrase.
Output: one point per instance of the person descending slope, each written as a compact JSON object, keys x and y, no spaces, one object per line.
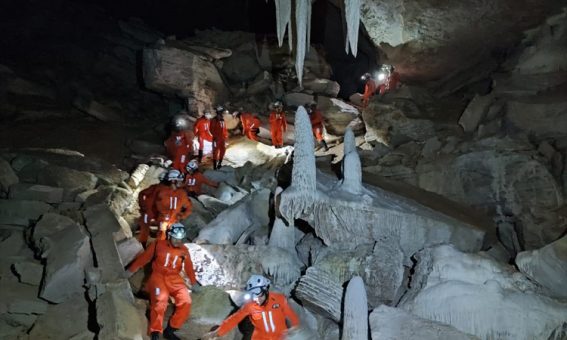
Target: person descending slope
{"x":172,"y":275}
{"x":194,"y":179}
{"x":267,"y":311}
{"x":220,"y":137}
{"x":202,"y":130}
{"x":316,"y":119}
{"x":278,"y":125}
{"x":148,"y":213}
{"x":171,"y":203}
{"x":179,"y":145}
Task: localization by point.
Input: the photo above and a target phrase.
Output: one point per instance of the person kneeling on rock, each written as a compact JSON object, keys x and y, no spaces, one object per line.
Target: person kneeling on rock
{"x":172,"y":274}
{"x":267,"y":311}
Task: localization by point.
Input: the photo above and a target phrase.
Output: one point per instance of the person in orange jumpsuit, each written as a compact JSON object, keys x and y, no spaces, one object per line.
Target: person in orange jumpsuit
{"x":194,"y":179}
{"x":148,"y":214}
{"x":171,"y":203}
{"x":267,"y":311}
{"x":179,"y":145}
{"x":250,"y":124}
{"x":202,"y":130}
{"x":170,"y":260}
{"x":220,"y":137}
{"x":278,"y":125}
{"x":370,"y":88}
{"x":316,"y":119}
{"x":393,"y":80}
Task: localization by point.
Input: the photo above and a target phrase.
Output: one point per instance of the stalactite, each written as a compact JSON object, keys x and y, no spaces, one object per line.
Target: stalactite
{"x":352,"y":15}
{"x":302,"y":18}
{"x":283,"y":15}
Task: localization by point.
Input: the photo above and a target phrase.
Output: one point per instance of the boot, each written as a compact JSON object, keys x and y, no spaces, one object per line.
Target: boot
{"x":154,"y":336}
{"x":219,"y":164}
{"x":169,"y":334}
{"x":214,"y":164}
{"x":325,"y":145}
{"x":200,"y":156}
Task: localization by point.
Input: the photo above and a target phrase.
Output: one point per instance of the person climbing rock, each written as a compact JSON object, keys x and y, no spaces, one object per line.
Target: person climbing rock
{"x":267,"y":311}
{"x":171,"y":203}
{"x":194,"y":179}
{"x":148,"y":213}
{"x":316,"y":119}
{"x":220,"y":137}
{"x":179,"y":145}
{"x":202,"y":130}
{"x":250,"y":123}
{"x":278,"y":125}
{"x":172,"y":275}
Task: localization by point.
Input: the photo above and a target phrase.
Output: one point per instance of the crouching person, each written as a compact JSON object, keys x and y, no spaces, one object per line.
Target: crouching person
{"x":267,"y":311}
{"x":170,"y":263}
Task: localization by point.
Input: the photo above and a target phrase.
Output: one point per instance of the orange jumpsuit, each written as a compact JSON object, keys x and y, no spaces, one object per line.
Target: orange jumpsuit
{"x":194,"y":182}
{"x":202,"y":129}
{"x":278,"y":125}
{"x":179,"y":146}
{"x":146,"y":200}
{"x":166,"y":280}
{"x":171,"y":205}
{"x":249,"y":124}
{"x":393,"y":81}
{"x":268,"y":319}
{"x":369,"y":89}
{"x":317,"y":124}
{"x":220,"y":135}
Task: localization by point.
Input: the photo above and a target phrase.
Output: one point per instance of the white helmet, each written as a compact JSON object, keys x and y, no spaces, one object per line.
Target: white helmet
{"x":257,"y":285}
{"x":192,"y":165}
{"x":208,"y":114}
{"x":174,"y":175}
{"x":278,"y":104}
{"x":177,"y":231}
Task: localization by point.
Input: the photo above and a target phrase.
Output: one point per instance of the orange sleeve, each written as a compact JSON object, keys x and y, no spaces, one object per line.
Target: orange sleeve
{"x":225,"y":131}
{"x":289,"y":313}
{"x":204,"y":180}
{"x":233,"y":320}
{"x":186,"y":208}
{"x":188,"y":267}
{"x":143,"y":258}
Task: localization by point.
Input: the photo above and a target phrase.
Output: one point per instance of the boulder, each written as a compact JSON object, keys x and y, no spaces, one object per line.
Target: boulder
{"x":540,"y":120}
{"x":325,"y":87}
{"x":241,"y":66}
{"x":324,"y":300}
{"x":260,"y":84}
{"x":390,"y":323}
{"x":29,"y":272}
{"x":7,"y":175}
{"x":446,"y":279}
{"x":73,"y":181}
{"x":36,"y":192}
{"x":547,"y":266}
{"x":209,"y":307}
{"x":48,"y":326}
{"x":297,"y":99}
{"x":174,"y":71}
{"x":475,"y":112}
{"x":100,"y":111}
{"x":339,"y":116}
{"x":21,"y":212}
{"x":118,"y":315}
{"x":50,"y":223}
{"x":118,"y":199}
{"x":65,"y":268}
{"x":128,"y":250}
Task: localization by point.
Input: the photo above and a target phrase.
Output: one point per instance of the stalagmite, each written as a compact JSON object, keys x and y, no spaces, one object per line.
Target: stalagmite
{"x":283,"y":14}
{"x":352,"y":15}
{"x":355,"y":314}
{"x":301,"y":194}
{"x":352,"y":171}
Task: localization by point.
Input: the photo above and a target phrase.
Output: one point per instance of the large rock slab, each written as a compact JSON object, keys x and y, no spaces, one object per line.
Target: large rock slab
{"x":504,"y":175}
{"x":495,"y":294}
{"x":48,"y":325}
{"x":29,"y":272}
{"x":19,"y":298}
{"x":540,"y":120}
{"x":323,"y":299}
{"x":21,"y":212}
{"x":178,"y":72}
{"x":65,"y":268}
{"x":103,"y":227}
{"x":50,"y":223}
{"x":229,"y":267}
{"x":339,"y":116}
{"x":36,"y":192}
{"x":117,"y":314}
{"x":547,"y":266}
{"x":388,"y":323}
{"x":475,"y":112}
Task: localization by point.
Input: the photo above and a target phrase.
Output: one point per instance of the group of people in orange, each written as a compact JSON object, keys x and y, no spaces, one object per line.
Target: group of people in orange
{"x":168,"y":202}
{"x":387,"y":80}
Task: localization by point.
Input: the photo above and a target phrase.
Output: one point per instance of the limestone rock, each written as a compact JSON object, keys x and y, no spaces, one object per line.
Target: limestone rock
{"x":325,"y":300}
{"x":73,"y":181}
{"x":547,"y":266}
{"x":339,"y":116}
{"x":116,"y":198}
{"x":128,"y":250}
{"x":355,"y":322}
{"x":209,"y":307}
{"x":118,"y":315}
{"x":29,"y":272}
{"x":65,"y":268}
{"x":21,"y":212}
{"x":36,"y":192}
{"x":50,"y":223}
{"x":446,"y":279}
{"x":297,"y":99}
{"x":48,"y":325}
{"x":542,"y":121}
{"x":19,"y":298}
{"x":323,"y":87}
{"x":177,"y":72}
{"x":260,"y":84}
{"x":390,"y":323}
{"x":7,"y":175}
{"x":475,"y":112}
